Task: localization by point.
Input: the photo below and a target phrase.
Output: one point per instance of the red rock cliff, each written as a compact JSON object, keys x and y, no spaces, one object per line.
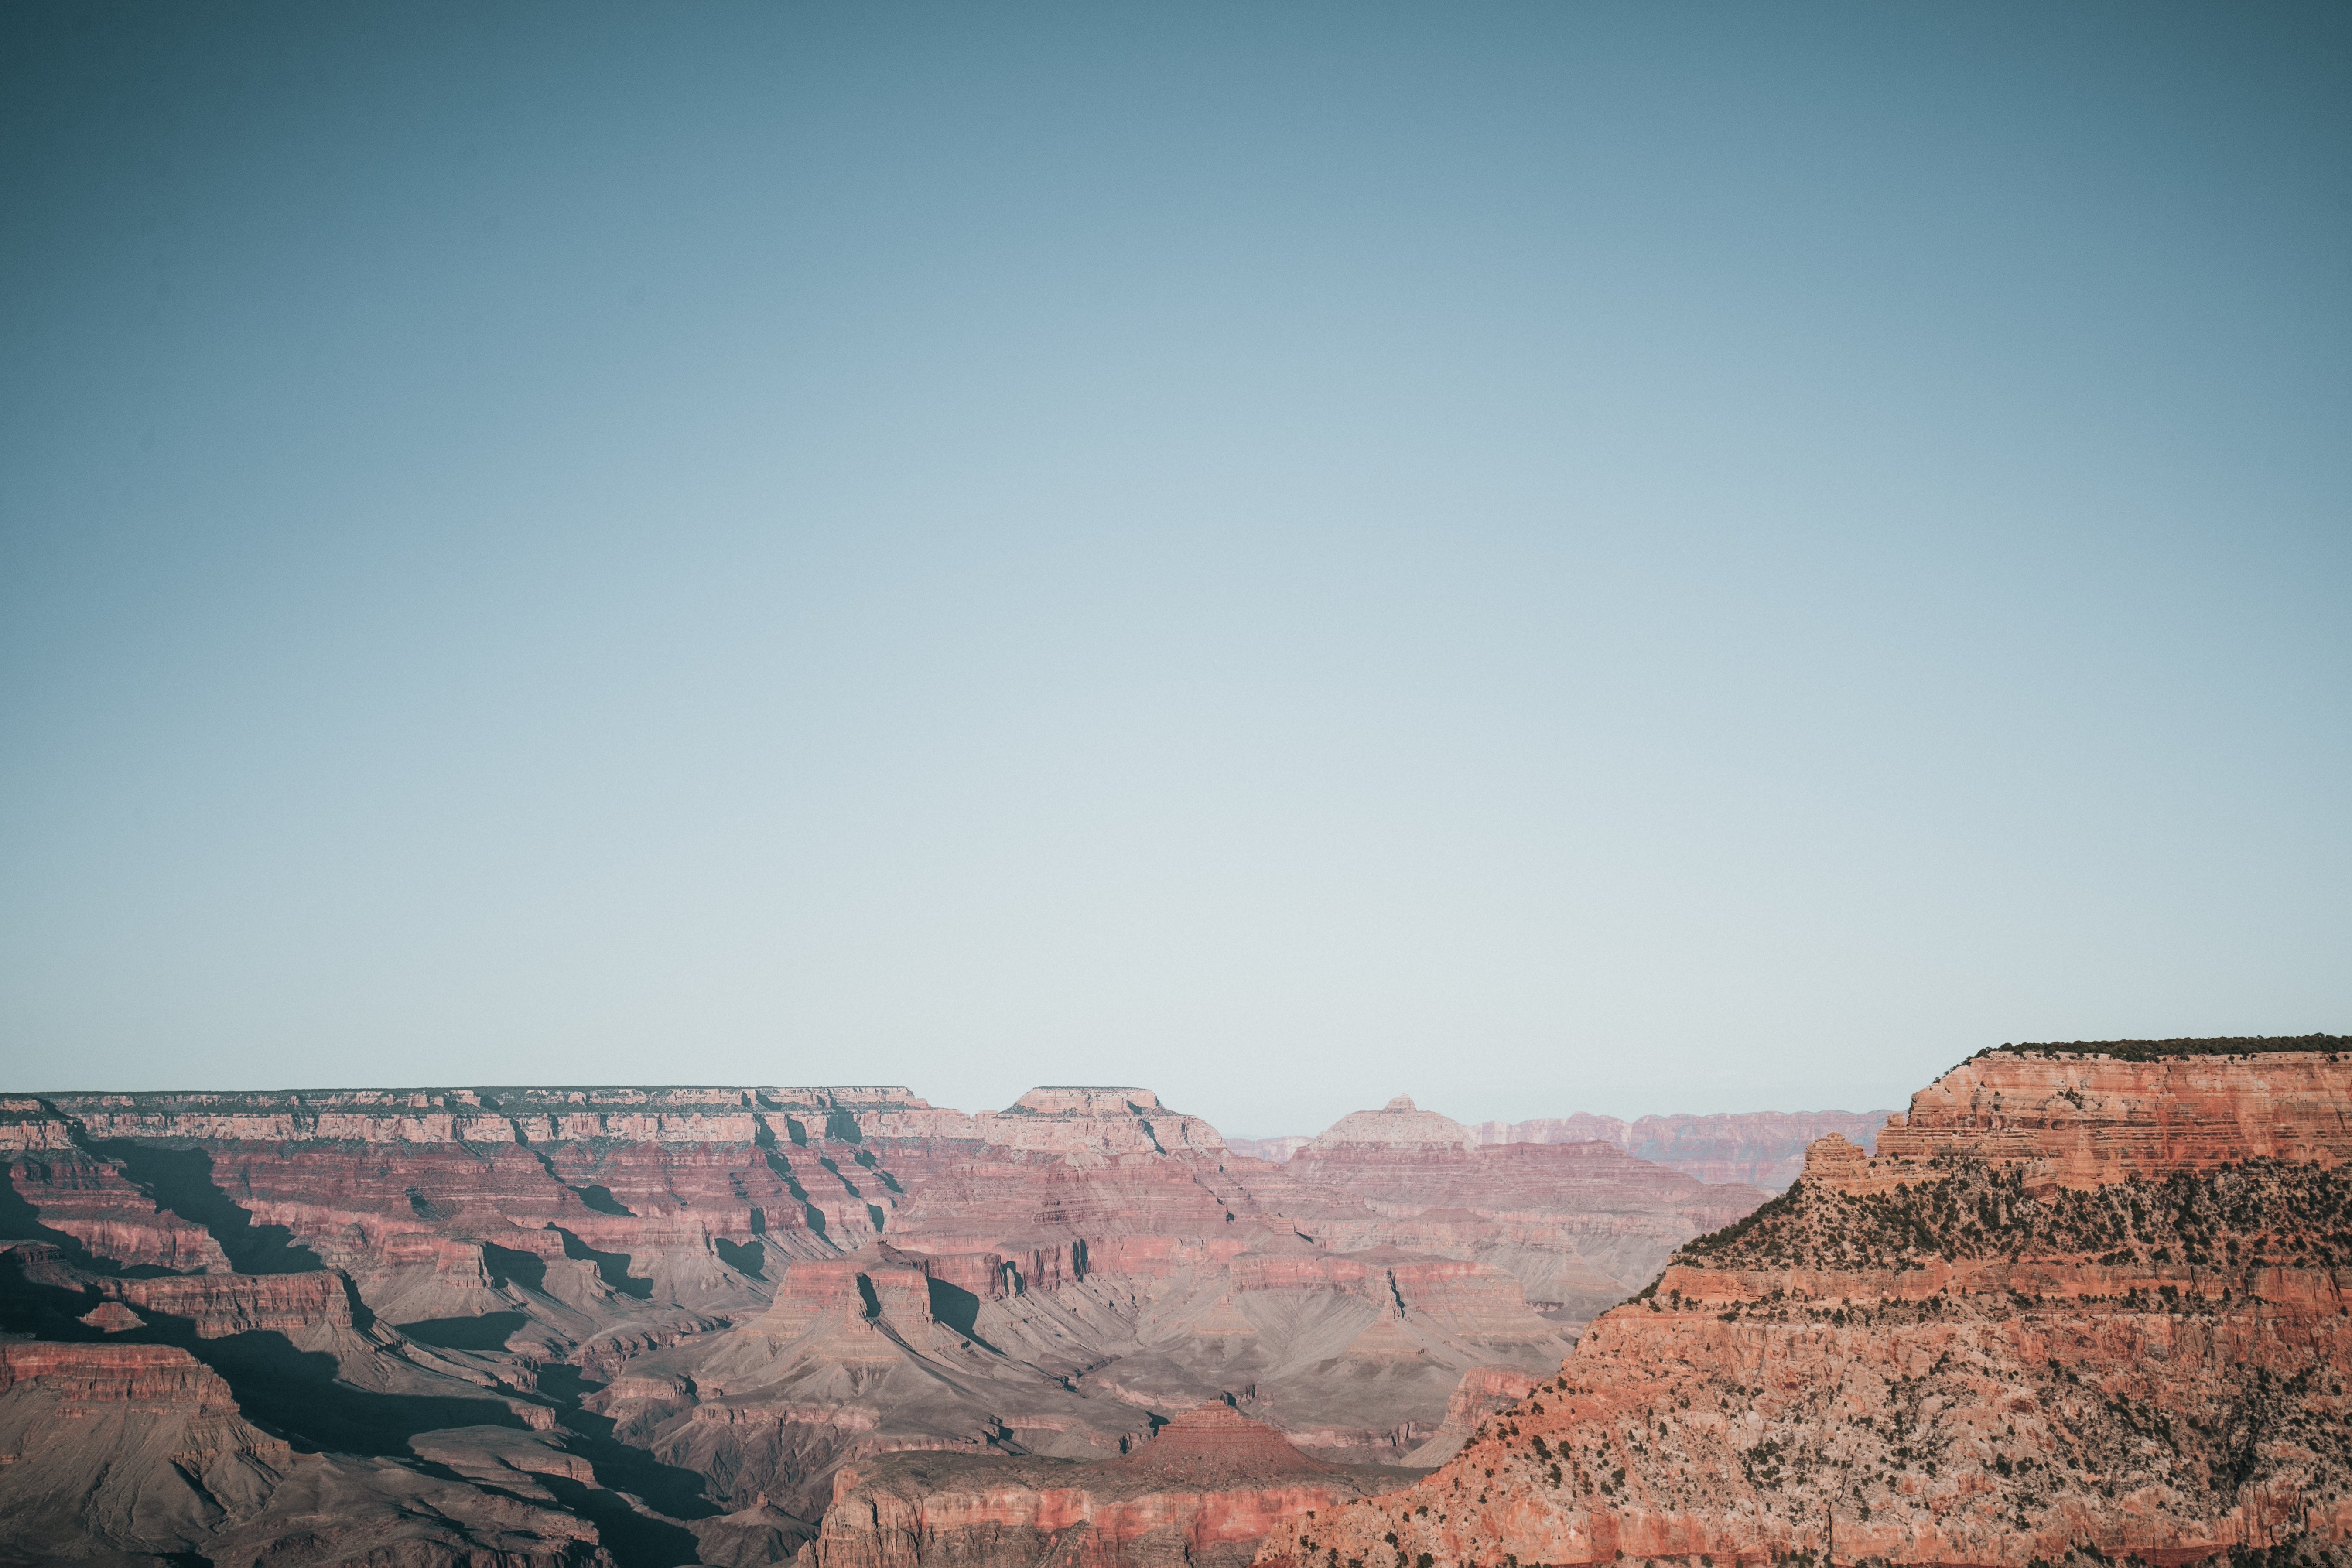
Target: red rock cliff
{"x":1205,"y":1490}
{"x":2028,"y":1332}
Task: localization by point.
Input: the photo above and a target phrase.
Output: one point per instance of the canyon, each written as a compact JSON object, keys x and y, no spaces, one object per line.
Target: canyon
{"x":2081,"y":1304}
{"x":2077,"y":1304}
{"x":1763,"y":1149}
{"x":673,"y":1325}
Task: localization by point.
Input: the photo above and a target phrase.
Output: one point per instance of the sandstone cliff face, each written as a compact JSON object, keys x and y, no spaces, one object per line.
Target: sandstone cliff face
{"x":2085,"y":1121}
{"x":141,"y":1449}
{"x":670,"y":1317}
{"x":91,"y":1200}
{"x":1204,"y":1490}
{"x":1993,"y":1344}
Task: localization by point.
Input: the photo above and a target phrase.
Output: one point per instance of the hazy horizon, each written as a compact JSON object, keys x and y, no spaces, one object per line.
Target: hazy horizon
{"x":1228,"y":1133}
{"x":1609,"y":558}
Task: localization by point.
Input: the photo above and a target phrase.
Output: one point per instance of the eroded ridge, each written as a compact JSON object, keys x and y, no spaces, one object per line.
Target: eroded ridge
{"x":666,"y":1325}
{"x":1999,"y":1346}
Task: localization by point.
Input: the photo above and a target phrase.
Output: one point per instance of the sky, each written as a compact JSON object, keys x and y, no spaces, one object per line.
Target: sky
{"x":1550,"y":558}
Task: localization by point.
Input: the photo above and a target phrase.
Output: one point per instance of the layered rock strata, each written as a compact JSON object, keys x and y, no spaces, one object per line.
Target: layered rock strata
{"x":141,"y":1449}
{"x":2088,"y":1119}
{"x":1762,"y":1148}
{"x":670,"y":1317}
{"x":2111,"y":1328}
{"x":1759,"y":1147}
{"x":1205,"y":1490}
{"x":1580,"y":1226}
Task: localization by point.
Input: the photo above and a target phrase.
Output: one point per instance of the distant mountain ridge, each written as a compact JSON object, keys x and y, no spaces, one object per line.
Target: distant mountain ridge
{"x":1756,"y":1148}
{"x":2079,"y":1310}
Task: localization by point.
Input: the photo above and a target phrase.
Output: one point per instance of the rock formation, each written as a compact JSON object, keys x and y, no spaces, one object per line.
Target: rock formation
{"x":1273,"y":1149}
{"x":1761,"y":1149}
{"x":142,"y":1448}
{"x":1204,"y":1490}
{"x":1580,"y":1226}
{"x":2078,"y":1307}
{"x":2085,"y":1119}
{"x":658,"y":1325}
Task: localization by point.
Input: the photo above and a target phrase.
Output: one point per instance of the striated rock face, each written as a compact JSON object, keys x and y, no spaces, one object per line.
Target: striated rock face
{"x":1399,"y":1124}
{"x":1990,"y":1346}
{"x":673,"y":1317}
{"x":1580,"y":1226}
{"x":1762,"y":1148}
{"x":1759,"y":1147}
{"x":1206,"y":1489}
{"x":91,"y":1201}
{"x":2085,"y":1120}
{"x":141,"y":1449}
{"x":1481,"y":1393}
{"x":77,"y":1376}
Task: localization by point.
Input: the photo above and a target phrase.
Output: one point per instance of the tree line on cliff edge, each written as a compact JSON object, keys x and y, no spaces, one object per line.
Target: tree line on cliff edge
{"x":2157,"y":1050}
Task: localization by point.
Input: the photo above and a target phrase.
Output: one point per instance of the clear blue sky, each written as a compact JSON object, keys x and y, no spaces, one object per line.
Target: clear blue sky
{"x":1549,"y":557}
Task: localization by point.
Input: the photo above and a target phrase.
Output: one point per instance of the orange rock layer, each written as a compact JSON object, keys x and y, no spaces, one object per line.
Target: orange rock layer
{"x":2030,"y":1329}
{"x":1205,"y":1490}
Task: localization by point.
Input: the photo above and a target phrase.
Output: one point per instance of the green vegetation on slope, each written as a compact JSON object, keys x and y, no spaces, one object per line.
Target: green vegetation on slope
{"x":2154,"y":1050}
{"x":2265,"y":1213}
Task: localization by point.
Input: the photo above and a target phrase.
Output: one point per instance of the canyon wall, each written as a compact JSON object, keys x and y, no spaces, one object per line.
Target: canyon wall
{"x":2077,"y":1308}
{"x":1762,"y":1148}
{"x":671,"y":1319}
{"x":1204,"y":1490}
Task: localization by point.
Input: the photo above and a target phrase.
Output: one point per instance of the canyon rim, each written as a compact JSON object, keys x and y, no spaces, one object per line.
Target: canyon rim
{"x":2075,"y":1301}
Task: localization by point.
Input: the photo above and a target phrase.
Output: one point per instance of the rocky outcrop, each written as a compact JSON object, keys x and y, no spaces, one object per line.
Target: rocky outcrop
{"x":140,"y":1449}
{"x":1990,"y":1346}
{"x":1482,"y":1392}
{"x":1399,"y":1124}
{"x":91,"y":1201}
{"x":2086,"y":1119}
{"x":1205,"y":1490}
{"x":675,"y":1315}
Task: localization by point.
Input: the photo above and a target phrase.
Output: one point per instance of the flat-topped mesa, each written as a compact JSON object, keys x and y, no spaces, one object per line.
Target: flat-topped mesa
{"x":1398,"y":1124}
{"x":1097,"y":1119}
{"x":80,"y":1374}
{"x":503,"y":1114}
{"x":1106,"y":1120}
{"x":1762,"y":1148}
{"x":844,"y":1291}
{"x":2083,"y":1120}
{"x":1078,"y":1100}
{"x":1205,"y":1492}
